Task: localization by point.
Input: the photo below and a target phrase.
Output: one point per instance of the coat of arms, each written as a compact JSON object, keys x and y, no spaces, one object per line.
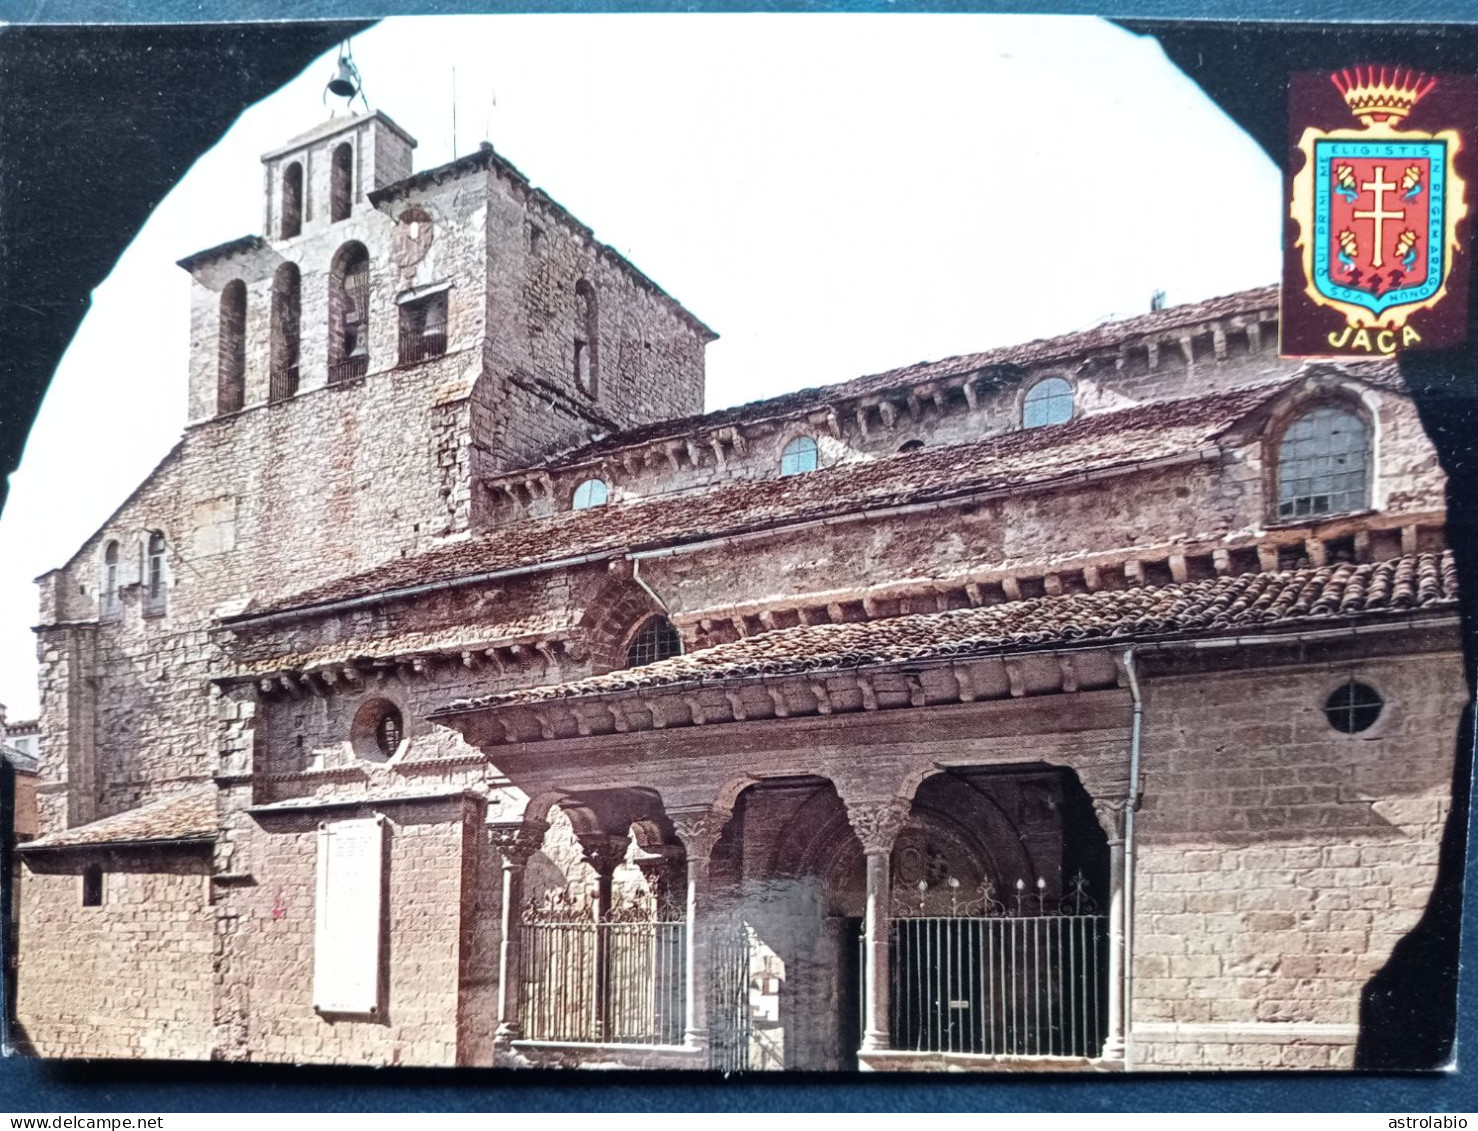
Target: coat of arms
{"x":1378,"y":209}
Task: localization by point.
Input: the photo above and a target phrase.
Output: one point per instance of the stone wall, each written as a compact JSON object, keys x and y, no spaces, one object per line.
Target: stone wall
{"x":129,"y":978}
{"x":431,"y":869}
{"x":1280,"y":860}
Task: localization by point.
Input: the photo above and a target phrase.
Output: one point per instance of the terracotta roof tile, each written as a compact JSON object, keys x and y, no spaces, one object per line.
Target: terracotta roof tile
{"x":1026,"y":353}
{"x":540,"y":626}
{"x":189,"y":815}
{"x":1232,"y":604}
{"x":1157,"y":430}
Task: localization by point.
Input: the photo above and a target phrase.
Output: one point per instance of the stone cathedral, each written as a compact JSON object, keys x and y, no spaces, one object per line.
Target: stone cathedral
{"x":458,"y":692}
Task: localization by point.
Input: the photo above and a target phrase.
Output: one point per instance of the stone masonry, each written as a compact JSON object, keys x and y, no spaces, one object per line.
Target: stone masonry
{"x":809,"y":669}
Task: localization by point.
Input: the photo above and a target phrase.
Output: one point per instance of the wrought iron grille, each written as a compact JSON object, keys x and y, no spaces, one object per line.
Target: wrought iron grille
{"x":971,"y":974}
{"x":350,"y":369}
{"x":284,"y":383}
{"x":423,"y":329}
{"x":619,"y":979}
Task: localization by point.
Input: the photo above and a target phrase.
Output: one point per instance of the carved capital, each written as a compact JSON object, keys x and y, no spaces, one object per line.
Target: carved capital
{"x":518,"y":842}
{"x":699,"y":830}
{"x":877,"y":823}
{"x":604,"y":853}
{"x":1110,"y":813}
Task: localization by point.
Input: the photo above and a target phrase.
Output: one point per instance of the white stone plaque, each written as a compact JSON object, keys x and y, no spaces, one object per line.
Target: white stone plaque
{"x":346,"y":951}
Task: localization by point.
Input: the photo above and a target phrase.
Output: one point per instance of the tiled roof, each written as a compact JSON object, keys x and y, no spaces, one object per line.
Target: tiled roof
{"x":189,"y":815}
{"x":1236,"y":604}
{"x":25,"y":763}
{"x":1158,"y":430}
{"x":540,"y":626}
{"x":1027,"y":353}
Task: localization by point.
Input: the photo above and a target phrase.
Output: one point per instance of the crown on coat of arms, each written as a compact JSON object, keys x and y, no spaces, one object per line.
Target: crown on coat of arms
{"x":1380,"y":94}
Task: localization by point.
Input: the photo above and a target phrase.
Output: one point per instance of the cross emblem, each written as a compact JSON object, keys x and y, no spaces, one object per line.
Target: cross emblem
{"x":1380,"y":186}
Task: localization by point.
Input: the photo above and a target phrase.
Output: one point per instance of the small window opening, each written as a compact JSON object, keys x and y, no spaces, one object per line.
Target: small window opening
{"x":910,"y":445}
{"x":286,"y":332}
{"x":656,"y":640}
{"x":536,"y":240}
{"x":587,"y":331}
{"x":388,"y":732}
{"x":92,"y":885}
{"x":111,"y":581}
{"x":799,"y":456}
{"x":1353,"y":707}
{"x":423,"y":328}
{"x":156,"y":581}
{"x":341,"y":183}
{"x":1323,"y":463}
{"x":1049,"y":402}
{"x":231,"y":351}
{"x":292,"y":201}
{"x":591,"y":493}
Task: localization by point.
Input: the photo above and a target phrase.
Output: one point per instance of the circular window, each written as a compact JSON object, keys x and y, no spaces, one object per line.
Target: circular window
{"x":378,"y":730}
{"x":1353,"y":707}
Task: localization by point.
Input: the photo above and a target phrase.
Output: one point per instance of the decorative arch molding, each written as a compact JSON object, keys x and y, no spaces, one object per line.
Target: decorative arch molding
{"x":613,"y":614}
{"x":1321,"y":391}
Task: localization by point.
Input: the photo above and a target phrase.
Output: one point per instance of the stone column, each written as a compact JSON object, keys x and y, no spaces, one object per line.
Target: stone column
{"x":1110,"y":812}
{"x":699,"y":831}
{"x":517,"y":843}
{"x":877,"y":824}
{"x":603,"y":853}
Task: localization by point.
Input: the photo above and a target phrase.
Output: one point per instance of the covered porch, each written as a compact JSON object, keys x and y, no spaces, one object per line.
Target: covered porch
{"x":878,"y":869}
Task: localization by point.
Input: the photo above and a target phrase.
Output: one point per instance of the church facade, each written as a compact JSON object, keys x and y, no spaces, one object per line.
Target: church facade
{"x":458,"y":692}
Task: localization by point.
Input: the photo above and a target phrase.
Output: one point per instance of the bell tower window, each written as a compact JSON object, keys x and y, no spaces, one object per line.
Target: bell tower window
{"x":348,"y":311}
{"x":341,"y":183}
{"x":286,"y":309}
{"x":292,"y":201}
{"x":231,"y":357}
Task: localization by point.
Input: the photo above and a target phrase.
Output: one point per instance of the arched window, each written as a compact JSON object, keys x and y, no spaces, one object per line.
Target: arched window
{"x":591,"y":493}
{"x":587,"y":340}
{"x":341,"y":183}
{"x":156,"y":576}
{"x":110,"y":603}
{"x":799,"y":455}
{"x":292,"y":201}
{"x":1324,"y":463}
{"x":348,"y":314}
{"x":910,"y":445}
{"x":1048,"y":402}
{"x":286,"y":310}
{"x":231,"y":351}
{"x":655,"y":640}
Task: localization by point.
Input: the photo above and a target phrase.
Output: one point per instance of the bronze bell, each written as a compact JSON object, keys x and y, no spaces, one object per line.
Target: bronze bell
{"x":345,"y":84}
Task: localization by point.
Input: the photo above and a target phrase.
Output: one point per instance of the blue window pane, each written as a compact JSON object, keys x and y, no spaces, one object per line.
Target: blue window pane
{"x":591,"y":493}
{"x":1048,"y":402}
{"x":799,"y":455}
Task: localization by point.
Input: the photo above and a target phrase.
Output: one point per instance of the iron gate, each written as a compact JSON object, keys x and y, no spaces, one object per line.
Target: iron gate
{"x":729,"y":1025}
{"x":977,"y":976}
{"x":617,"y":980}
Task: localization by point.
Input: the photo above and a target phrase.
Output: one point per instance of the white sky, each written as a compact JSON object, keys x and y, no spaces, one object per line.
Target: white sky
{"x":834,"y":194}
